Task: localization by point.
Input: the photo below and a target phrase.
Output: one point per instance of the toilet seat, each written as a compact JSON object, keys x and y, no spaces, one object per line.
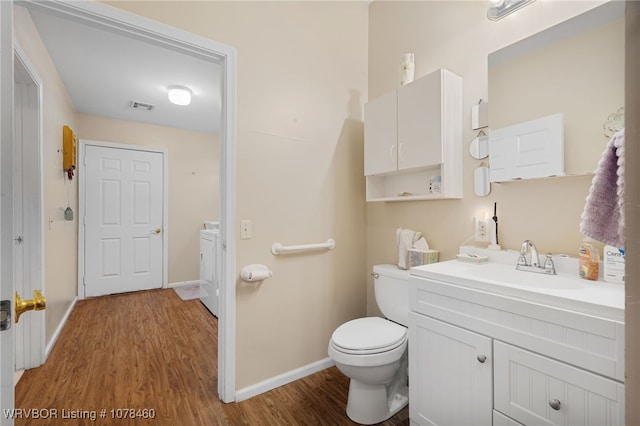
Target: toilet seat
{"x":369,"y":335}
{"x":368,"y":342}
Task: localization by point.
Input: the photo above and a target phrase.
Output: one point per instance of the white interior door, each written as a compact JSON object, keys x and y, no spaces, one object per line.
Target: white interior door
{"x":123,"y":220}
{"x":28,"y":214}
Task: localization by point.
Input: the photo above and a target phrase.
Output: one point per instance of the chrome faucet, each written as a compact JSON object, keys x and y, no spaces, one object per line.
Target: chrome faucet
{"x":533,"y":263}
{"x":528,"y":246}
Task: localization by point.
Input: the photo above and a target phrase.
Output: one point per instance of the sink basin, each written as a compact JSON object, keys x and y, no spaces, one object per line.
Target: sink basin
{"x":510,"y":276}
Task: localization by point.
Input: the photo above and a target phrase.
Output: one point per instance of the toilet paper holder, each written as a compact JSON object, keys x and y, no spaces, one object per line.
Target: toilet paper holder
{"x":255,"y":272}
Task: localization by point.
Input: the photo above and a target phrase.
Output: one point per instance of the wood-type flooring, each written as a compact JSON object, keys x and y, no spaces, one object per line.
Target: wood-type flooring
{"x":120,"y":355}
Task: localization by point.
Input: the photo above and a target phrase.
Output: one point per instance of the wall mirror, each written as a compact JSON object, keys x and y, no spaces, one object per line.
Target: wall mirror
{"x":575,"y":68}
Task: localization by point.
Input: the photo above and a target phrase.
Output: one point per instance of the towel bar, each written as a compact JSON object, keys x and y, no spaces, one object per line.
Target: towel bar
{"x":278,"y":248}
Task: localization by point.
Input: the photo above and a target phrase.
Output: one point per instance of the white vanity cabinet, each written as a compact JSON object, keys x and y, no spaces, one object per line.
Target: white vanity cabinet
{"x":482,"y":358}
{"x":413,"y":135}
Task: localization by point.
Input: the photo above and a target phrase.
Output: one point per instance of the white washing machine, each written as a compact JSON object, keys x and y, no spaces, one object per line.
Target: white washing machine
{"x":210,"y":266}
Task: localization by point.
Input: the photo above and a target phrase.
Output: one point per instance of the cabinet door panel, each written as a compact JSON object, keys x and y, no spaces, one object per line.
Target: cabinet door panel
{"x":449,"y":385}
{"x":420,"y":122}
{"x":537,"y":390}
{"x":207,"y":249}
{"x":380,"y":135}
{"x":209,"y":271}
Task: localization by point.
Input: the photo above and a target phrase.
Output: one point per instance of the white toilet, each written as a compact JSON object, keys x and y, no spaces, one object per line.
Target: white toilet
{"x":372,"y":351}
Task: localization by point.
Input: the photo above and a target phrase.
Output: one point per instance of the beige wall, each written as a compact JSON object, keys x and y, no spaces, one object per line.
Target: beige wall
{"x":302,"y":70}
{"x":458,"y":36}
{"x":193,"y":181}
{"x":60,"y":236}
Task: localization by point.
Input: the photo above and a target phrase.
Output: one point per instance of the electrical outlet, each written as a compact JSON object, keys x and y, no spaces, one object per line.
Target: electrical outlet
{"x":245,"y":229}
{"x":481,"y":231}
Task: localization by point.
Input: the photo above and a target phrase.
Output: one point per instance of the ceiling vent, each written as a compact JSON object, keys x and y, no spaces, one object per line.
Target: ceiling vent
{"x":142,"y":106}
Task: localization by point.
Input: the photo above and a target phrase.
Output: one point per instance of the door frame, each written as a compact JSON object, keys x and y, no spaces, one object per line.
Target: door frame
{"x":7,"y":353}
{"x":113,"y":19}
{"x":34,"y":353}
{"x":82,"y":146}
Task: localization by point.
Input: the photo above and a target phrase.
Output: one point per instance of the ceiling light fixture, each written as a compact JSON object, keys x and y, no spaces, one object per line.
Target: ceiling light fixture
{"x":498,"y":9}
{"x":179,"y":95}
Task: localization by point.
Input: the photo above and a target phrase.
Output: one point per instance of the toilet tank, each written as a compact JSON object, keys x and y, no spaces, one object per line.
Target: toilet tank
{"x":391,"y":286}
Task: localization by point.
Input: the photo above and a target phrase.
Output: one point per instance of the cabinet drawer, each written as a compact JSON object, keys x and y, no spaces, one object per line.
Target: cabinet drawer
{"x":533,"y":389}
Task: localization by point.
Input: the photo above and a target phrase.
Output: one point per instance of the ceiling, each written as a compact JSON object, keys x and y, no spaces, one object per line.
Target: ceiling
{"x":104,"y":72}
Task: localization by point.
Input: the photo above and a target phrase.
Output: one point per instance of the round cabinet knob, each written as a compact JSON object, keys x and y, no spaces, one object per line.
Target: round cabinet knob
{"x":482,"y":359}
{"x":555,"y":404}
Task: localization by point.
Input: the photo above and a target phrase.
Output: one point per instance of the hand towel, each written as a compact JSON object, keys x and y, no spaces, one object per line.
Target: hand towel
{"x":603,"y":215}
{"x":405,"y":238}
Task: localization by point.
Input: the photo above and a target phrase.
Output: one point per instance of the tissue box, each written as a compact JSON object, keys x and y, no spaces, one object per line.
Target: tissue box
{"x":417,"y":257}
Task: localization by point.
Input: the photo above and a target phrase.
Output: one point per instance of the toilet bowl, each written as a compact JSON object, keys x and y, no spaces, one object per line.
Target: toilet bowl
{"x":372,"y":351}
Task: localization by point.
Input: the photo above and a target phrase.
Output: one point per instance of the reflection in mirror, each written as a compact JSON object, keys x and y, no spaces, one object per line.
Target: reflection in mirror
{"x":481,"y":185}
{"x":575,"y":68}
{"x":479,"y":147}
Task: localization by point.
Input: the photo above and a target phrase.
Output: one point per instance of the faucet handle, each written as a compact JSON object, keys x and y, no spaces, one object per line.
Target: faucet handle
{"x":522,"y":260}
{"x":549,"y":265}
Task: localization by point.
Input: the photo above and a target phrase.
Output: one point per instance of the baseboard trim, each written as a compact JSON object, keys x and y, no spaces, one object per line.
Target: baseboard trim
{"x":182,"y":283}
{"x":55,"y":336}
{"x":282,"y":379}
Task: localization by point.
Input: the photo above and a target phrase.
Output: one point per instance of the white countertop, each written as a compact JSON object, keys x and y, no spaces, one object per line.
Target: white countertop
{"x":565,"y":290}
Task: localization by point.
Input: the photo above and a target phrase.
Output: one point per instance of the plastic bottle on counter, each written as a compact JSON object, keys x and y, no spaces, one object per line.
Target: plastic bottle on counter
{"x":613,"y":265}
{"x":589,"y":262}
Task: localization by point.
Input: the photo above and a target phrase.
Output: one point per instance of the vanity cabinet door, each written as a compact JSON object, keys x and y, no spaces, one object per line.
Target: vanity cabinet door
{"x":450,"y":374}
{"x":536,"y":390}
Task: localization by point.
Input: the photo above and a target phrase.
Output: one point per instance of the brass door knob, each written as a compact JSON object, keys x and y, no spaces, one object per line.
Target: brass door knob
{"x":156,"y":231}
{"x":38,"y":303}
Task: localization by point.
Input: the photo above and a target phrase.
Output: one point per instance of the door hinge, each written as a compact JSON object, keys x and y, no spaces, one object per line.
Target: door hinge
{"x":5,"y":315}
{"x":84,"y":281}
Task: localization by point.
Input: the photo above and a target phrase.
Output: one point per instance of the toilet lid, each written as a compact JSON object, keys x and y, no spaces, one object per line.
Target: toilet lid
{"x":369,"y":334}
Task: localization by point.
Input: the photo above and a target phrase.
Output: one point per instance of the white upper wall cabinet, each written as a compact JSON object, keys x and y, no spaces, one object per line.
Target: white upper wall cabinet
{"x":413,"y":140}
